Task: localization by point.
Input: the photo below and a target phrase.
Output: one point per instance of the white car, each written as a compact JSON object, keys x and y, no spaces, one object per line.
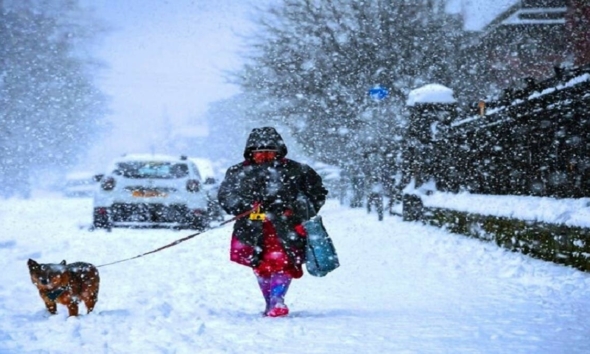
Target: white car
{"x":151,"y":190}
{"x":80,"y":184}
{"x":211,"y":186}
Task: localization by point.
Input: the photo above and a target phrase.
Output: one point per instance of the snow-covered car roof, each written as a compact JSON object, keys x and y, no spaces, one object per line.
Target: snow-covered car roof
{"x":146,"y":157}
{"x":150,"y":157}
{"x":80,"y":175}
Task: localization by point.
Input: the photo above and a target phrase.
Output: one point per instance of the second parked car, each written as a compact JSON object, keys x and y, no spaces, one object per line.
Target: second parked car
{"x":80,"y":184}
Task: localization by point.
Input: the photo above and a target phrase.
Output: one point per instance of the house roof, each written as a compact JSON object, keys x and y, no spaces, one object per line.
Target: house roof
{"x":516,"y":15}
{"x":478,"y":14}
{"x":526,"y":15}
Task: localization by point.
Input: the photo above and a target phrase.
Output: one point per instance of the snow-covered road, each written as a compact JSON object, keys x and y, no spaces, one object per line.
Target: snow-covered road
{"x":401,"y":288}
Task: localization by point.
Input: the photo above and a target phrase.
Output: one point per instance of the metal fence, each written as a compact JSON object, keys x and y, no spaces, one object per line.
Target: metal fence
{"x":533,"y":140}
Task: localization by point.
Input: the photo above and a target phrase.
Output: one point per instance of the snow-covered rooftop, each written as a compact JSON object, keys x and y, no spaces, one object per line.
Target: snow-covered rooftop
{"x":478,"y":14}
{"x":520,"y":16}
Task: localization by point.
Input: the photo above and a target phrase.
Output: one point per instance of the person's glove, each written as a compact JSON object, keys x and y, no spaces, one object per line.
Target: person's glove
{"x":300,"y":230}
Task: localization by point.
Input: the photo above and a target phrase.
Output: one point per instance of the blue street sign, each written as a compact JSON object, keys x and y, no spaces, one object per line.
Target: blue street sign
{"x":378,"y":93}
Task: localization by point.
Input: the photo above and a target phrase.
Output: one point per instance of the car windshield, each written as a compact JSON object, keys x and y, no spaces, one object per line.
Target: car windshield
{"x":151,"y":169}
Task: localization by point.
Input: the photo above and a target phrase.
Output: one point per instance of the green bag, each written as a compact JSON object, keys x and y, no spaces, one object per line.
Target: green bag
{"x":320,"y":253}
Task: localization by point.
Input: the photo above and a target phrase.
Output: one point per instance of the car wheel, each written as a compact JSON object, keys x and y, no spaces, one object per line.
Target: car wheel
{"x":199,"y":223}
{"x":101,"y":219}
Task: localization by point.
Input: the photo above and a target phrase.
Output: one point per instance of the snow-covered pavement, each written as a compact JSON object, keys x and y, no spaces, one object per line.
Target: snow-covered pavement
{"x":401,"y":288}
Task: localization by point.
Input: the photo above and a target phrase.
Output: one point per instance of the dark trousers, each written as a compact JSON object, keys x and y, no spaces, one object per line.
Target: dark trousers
{"x":377,"y":200}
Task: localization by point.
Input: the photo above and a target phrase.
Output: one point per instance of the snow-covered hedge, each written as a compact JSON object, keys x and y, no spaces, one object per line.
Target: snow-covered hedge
{"x":556,"y":230}
{"x":552,"y":242}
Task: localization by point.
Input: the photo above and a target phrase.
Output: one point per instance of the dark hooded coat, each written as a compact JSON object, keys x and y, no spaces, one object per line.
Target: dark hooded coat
{"x":290,"y":192}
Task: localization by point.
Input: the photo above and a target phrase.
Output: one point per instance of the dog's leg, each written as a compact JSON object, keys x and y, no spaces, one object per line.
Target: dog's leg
{"x":90,"y":294}
{"x":73,"y":308}
{"x":90,"y":301}
{"x":51,"y":305}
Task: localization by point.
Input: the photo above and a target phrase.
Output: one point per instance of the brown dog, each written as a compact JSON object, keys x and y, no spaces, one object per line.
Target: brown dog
{"x":66,"y":284}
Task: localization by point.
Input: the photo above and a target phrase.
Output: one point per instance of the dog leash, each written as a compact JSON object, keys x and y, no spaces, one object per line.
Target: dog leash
{"x":181,"y":240}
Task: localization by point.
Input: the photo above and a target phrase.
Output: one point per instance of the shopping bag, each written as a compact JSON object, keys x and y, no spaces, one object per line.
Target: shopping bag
{"x":320,"y":254}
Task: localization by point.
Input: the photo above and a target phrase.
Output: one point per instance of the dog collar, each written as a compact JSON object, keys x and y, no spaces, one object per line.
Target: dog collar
{"x":54,"y":294}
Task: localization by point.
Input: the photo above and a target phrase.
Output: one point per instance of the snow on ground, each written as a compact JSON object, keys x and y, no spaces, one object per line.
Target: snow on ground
{"x":402,"y":288}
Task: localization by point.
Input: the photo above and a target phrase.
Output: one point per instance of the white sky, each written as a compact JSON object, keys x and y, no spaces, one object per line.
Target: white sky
{"x":165,"y":61}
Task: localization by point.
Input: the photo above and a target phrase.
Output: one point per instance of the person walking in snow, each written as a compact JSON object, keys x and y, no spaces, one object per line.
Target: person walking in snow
{"x":283,"y":193}
{"x":358,"y":189}
{"x":375,"y":197}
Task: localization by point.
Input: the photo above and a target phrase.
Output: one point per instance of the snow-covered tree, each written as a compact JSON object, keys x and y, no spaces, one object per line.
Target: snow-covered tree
{"x":50,"y":108}
{"x":313,"y":63}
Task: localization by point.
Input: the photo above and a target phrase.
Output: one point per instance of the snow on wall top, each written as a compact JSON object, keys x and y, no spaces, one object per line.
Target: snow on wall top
{"x":570,"y":83}
{"x":568,"y":211}
{"x":431,"y":93}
